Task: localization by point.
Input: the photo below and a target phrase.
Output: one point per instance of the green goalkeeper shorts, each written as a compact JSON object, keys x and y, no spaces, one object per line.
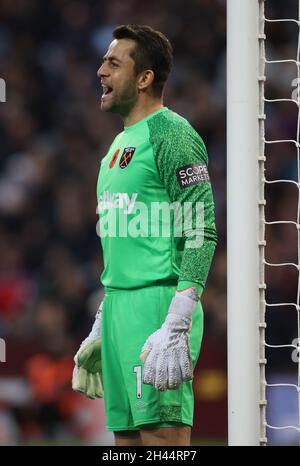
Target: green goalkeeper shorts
{"x":128,"y":318}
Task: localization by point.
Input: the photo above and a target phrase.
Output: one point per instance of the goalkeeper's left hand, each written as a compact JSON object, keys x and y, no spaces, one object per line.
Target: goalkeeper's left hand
{"x":166,"y":354}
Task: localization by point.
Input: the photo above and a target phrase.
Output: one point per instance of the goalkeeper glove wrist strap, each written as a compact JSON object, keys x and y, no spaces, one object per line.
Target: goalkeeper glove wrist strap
{"x":184,"y":303}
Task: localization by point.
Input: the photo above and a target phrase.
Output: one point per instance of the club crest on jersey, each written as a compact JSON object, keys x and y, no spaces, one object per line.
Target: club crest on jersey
{"x":126,"y":156}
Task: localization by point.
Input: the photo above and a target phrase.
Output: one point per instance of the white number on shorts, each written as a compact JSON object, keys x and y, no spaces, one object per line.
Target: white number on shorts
{"x":138,"y":371}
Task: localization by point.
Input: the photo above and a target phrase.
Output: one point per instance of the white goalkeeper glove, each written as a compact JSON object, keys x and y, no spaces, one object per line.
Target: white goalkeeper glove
{"x":166,"y":354}
{"x":87,"y":373}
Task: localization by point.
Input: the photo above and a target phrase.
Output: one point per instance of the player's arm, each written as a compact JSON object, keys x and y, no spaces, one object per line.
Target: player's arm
{"x":166,"y":353}
{"x":183,"y":154}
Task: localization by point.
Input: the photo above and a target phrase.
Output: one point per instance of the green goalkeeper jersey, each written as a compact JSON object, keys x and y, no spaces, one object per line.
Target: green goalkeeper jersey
{"x":155,"y":205}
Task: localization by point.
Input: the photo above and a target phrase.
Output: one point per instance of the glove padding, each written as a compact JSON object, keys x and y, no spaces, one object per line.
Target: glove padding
{"x":166,"y":354}
{"x":87,"y":383}
{"x":87,"y":373}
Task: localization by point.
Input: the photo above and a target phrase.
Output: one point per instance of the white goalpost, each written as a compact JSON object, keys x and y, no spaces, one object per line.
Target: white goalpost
{"x":246,"y":181}
{"x":245,"y":393}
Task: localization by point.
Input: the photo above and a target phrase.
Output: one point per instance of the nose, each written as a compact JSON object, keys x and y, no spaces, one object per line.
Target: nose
{"x":101,"y":71}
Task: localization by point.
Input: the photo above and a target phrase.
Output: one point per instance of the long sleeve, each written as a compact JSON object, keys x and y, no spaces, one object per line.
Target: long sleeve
{"x":182,"y":160}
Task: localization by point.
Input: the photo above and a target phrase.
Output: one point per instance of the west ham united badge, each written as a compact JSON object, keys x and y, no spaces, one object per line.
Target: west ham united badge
{"x":126,"y":156}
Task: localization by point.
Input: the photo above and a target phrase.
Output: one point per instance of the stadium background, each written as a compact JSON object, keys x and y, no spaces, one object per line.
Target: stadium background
{"x":53,"y":137}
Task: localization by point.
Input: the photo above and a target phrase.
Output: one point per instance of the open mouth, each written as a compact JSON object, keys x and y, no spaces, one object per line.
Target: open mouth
{"x":106,"y":90}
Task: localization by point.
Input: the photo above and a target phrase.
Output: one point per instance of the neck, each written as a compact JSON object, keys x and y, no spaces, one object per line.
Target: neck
{"x":141,"y":110}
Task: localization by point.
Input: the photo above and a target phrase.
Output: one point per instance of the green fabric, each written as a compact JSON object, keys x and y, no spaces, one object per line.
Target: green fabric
{"x":128,"y":318}
{"x":176,"y":144}
{"x":135,"y":254}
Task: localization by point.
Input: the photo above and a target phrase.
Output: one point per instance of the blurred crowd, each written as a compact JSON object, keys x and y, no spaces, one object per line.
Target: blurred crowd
{"x":53,"y":136}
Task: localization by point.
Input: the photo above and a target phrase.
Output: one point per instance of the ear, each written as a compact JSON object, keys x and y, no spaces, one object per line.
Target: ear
{"x":145,"y":79}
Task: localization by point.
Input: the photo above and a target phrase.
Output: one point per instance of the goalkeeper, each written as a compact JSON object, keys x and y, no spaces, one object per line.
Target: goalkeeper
{"x":147,"y":334}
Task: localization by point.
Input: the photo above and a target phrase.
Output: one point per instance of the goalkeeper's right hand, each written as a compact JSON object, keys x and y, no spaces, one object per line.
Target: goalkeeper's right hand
{"x":87,"y":373}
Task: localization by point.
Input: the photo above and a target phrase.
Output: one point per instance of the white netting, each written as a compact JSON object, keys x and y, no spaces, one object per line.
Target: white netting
{"x":263,"y":157}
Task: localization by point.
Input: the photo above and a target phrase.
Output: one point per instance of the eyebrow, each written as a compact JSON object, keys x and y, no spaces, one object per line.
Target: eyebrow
{"x":111,"y":58}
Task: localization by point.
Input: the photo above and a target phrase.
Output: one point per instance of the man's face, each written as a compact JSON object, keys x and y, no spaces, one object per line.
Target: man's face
{"x":118,"y":78}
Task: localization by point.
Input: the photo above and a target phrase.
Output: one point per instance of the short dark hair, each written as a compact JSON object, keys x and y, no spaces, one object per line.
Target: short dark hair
{"x":152,"y":51}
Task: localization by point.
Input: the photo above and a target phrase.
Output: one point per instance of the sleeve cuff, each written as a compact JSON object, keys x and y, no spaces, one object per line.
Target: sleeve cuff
{"x":182,"y":284}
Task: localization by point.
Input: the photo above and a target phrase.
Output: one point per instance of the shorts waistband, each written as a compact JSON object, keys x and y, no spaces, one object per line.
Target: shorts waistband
{"x":108,"y":290}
